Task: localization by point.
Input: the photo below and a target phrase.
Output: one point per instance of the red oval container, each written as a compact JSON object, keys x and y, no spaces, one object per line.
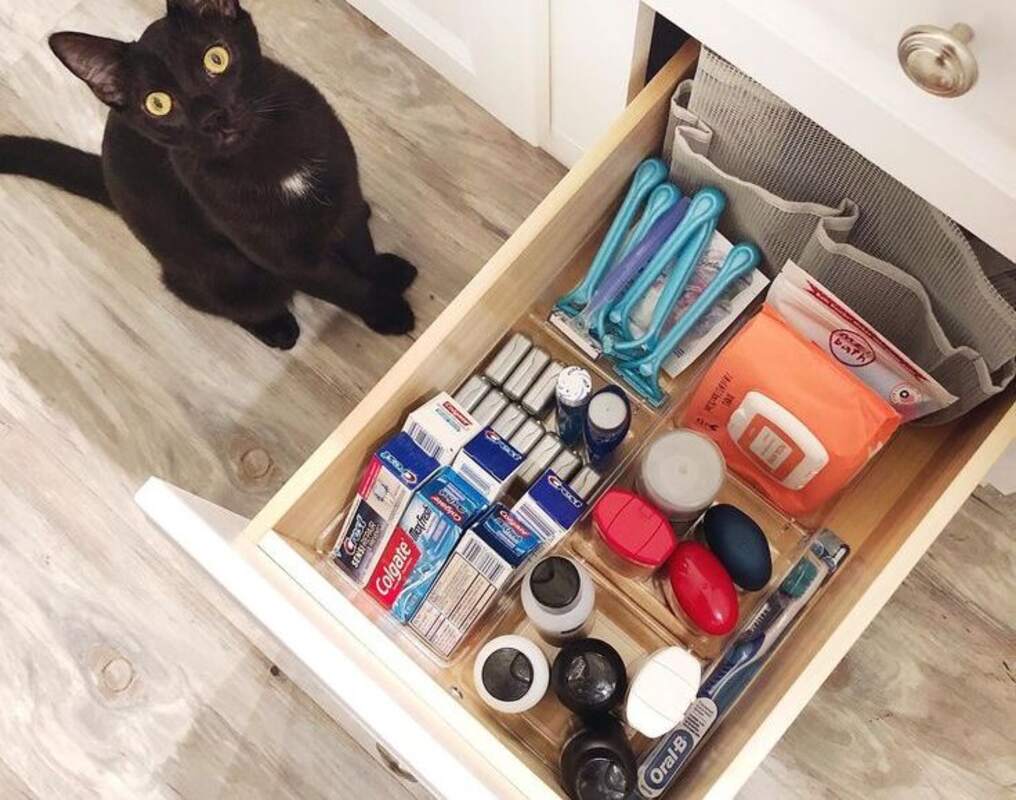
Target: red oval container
{"x":699,"y":588}
{"x":636,"y":537}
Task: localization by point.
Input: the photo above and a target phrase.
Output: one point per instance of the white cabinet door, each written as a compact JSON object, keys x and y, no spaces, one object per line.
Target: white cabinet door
{"x":497,"y":52}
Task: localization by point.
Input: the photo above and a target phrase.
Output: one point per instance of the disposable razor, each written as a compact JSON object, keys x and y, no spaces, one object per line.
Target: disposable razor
{"x":650,"y":174}
{"x":644,"y":375}
{"x":705,"y":210}
{"x":677,"y":283}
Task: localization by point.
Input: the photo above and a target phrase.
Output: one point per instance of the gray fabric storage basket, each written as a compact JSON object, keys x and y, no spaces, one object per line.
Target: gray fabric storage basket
{"x":898,"y":261}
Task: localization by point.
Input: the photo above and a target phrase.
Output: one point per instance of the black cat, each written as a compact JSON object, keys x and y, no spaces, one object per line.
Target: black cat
{"x":231,"y":169}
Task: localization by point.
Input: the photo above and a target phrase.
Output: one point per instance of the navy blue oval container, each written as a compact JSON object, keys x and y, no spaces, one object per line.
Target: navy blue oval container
{"x":608,"y":417}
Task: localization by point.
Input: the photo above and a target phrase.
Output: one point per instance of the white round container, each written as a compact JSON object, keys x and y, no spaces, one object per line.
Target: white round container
{"x":661,"y":691}
{"x":511,"y":674}
{"x":559,"y":597}
{"x":681,"y":473}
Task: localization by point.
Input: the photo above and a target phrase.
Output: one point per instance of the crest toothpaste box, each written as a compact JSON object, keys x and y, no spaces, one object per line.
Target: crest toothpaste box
{"x":395,"y":471}
{"x":550,"y":508}
{"x":488,"y":463}
{"x":430,"y":527}
{"x":484,"y":563}
{"x":441,"y":427}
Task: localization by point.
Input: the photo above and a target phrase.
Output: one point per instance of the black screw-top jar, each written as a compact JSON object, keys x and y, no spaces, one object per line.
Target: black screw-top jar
{"x":589,"y":677}
{"x":597,"y":763}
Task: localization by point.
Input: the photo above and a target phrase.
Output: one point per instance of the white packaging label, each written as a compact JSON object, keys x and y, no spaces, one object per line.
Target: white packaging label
{"x":472,"y":578}
{"x":441,"y":427}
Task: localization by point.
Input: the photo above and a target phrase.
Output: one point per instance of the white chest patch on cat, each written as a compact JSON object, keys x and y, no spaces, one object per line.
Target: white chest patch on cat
{"x":300,"y":184}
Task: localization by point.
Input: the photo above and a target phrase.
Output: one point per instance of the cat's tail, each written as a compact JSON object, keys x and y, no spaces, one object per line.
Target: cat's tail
{"x":66,"y":167}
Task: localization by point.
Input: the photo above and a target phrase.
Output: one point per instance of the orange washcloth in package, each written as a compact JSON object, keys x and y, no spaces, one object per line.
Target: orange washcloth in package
{"x":788,"y":418}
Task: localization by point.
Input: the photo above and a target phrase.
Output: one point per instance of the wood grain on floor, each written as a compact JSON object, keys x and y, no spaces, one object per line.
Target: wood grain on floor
{"x":121,"y":679}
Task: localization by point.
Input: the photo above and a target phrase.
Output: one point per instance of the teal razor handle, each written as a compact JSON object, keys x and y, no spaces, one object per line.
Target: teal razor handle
{"x":650,"y":174}
{"x":644,"y":375}
{"x":686,"y":244}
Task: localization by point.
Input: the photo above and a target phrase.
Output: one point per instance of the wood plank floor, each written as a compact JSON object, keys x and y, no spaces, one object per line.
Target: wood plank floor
{"x":121,"y":679}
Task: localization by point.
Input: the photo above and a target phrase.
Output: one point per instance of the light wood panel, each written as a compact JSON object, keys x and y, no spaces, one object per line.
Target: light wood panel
{"x":121,"y":679}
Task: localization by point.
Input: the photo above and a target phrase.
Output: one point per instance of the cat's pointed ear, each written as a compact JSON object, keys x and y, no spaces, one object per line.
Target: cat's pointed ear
{"x":230,"y":9}
{"x":99,"y":62}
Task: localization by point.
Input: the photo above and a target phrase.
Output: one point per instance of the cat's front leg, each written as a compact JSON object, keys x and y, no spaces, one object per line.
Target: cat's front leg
{"x":353,"y":247}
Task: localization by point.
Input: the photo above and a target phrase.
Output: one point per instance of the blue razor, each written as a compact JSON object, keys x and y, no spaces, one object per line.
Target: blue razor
{"x":688,"y":240}
{"x":650,"y":174}
{"x":644,"y":375}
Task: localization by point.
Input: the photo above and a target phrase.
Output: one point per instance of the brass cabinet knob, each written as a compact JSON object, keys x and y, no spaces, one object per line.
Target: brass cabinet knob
{"x":939,"y":60}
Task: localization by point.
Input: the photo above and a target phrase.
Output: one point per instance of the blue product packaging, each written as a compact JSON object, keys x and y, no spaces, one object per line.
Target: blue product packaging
{"x":485,"y":563}
{"x":608,"y":418}
{"x":431,"y":527}
{"x":550,"y":508}
{"x":395,"y":471}
{"x":487,"y":463}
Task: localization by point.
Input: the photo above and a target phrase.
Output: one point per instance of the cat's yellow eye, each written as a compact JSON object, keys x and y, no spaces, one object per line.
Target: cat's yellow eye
{"x":216,"y":60}
{"x":158,"y":104}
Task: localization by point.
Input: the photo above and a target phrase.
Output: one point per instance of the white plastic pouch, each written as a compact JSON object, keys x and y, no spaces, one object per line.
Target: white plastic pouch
{"x":819,"y":315}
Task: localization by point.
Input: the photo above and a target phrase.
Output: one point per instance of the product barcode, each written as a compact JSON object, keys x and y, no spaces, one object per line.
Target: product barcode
{"x":431,"y":445}
{"x":532,"y":520}
{"x":485,"y":562}
{"x":476,"y":477}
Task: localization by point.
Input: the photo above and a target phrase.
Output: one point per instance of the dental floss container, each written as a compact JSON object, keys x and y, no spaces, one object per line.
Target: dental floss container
{"x":681,"y":473}
{"x":662,"y":690}
{"x":589,"y":677}
{"x":597,"y":763}
{"x":511,"y":674}
{"x":559,"y":598}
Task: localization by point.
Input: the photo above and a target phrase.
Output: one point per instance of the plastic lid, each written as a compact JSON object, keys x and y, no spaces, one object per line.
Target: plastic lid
{"x":607,"y":411}
{"x":589,"y":677}
{"x":555,"y":582}
{"x":507,"y":674}
{"x":633,"y":529}
{"x":682,"y":472}
{"x":511,"y":674}
{"x":662,"y":691}
{"x":556,"y":587}
{"x":597,"y":763}
{"x":574,"y":385}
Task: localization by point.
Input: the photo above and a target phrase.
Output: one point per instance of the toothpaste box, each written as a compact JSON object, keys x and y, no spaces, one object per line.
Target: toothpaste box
{"x":484,"y":563}
{"x":488,"y":463}
{"x":430,"y":527}
{"x":397,"y":470}
{"x":441,"y":427}
{"x":550,"y":508}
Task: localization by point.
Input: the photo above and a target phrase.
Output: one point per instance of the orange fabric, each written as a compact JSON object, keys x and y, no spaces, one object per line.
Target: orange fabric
{"x":770,"y":357}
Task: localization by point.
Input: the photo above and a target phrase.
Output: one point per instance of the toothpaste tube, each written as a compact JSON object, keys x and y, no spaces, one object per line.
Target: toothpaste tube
{"x":485,"y":562}
{"x":732,"y":673}
{"x":427,"y":533}
{"x":488,"y":463}
{"x":550,"y":508}
{"x":397,"y":470}
{"x":441,"y":427}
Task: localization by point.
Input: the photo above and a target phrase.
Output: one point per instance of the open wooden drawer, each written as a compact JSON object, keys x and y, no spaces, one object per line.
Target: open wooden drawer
{"x":889,"y":518}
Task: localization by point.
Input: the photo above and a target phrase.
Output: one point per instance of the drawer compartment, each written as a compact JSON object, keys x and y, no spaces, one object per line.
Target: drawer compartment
{"x":889,"y":517}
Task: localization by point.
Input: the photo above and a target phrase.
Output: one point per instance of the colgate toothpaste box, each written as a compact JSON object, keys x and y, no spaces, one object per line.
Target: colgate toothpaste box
{"x":430,"y":528}
{"x":488,"y":463}
{"x":550,"y":508}
{"x":395,"y":471}
{"x":485,"y":561}
{"x":441,"y":427}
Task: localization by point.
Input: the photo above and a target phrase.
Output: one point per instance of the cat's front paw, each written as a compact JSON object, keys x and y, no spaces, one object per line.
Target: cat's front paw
{"x":392,"y":272}
{"x":280,"y":333}
{"x":390,"y":315}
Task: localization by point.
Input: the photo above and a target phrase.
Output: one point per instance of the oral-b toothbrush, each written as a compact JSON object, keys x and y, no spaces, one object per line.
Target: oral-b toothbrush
{"x":729,"y":678}
{"x":649,"y":174}
{"x":644,"y":375}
